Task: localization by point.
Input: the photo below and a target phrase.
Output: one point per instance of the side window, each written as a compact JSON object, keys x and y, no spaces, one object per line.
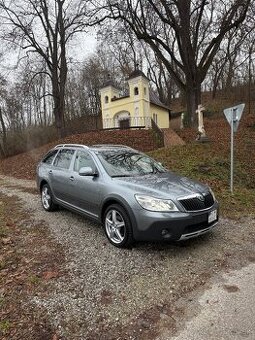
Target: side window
{"x":83,"y":159}
{"x":50,"y":156}
{"x":136,"y":91}
{"x":64,"y":158}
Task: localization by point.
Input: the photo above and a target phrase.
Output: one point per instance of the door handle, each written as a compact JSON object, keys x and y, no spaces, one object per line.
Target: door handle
{"x":50,"y":172}
{"x":71,"y":178}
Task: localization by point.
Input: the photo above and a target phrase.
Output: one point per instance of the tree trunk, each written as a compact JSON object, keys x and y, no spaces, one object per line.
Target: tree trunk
{"x":3,"y":146}
{"x":63,"y":68}
{"x":58,"y":112}
{"x":58,"y":98}
{"x":193,"y":99}
{"x":229,"y":80}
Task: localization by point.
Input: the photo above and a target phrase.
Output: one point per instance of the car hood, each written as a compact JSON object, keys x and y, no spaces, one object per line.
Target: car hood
{"x":165,"y":185}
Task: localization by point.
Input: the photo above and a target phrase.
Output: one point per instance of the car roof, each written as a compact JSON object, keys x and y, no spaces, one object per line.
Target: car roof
{"x":96,"y":147}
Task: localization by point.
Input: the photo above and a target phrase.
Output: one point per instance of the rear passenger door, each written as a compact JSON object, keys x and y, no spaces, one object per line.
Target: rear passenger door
{"x":60,"y":175}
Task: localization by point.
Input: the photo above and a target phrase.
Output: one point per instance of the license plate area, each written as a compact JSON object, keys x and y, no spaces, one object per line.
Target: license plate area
{"x":212,"y":216}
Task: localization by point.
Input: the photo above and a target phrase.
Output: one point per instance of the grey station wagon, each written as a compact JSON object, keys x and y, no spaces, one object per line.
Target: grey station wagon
{"x":133,"y":196}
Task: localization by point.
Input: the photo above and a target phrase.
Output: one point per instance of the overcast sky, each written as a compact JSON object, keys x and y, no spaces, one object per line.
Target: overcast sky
{"x":80,"y":48}
{"x":83,"y":45}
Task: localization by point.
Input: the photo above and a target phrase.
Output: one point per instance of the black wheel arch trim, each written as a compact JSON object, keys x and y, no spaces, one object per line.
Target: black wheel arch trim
{"x":117,"y":199}
{"x":44,"y":182}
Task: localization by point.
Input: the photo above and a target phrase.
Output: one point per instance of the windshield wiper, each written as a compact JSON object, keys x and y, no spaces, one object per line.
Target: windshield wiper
{"x":113,"y":176}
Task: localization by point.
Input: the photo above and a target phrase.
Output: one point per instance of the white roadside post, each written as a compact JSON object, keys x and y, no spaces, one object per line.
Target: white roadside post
{"x":182,"y":121}
{"x":233,"y":115}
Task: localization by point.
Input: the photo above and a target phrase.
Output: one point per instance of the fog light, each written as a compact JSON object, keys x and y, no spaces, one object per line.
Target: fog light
{"x":165,"y":233}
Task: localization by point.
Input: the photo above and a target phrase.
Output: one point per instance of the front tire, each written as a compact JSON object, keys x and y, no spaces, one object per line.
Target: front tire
{"x":47,"y":199}
{"x":117,"y":226}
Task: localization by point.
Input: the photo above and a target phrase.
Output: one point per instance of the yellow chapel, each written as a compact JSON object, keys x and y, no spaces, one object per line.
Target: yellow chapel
{"x":137,"y":109}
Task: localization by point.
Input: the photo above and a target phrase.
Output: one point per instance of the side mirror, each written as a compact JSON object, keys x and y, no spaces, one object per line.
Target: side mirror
{"x":86,"y":171}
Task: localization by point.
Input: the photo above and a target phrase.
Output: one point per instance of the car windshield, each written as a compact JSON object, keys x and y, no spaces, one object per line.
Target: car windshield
{"x":128,"y":163}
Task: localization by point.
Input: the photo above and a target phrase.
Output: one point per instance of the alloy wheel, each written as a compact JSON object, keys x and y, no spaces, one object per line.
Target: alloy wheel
{"x":115,"y":226}
{"x":46,"y":198}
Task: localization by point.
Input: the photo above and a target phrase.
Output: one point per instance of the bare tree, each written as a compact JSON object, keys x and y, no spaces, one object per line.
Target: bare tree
{"x":198,"y":27}
{"x":228,"y":58}
{"x":45,"y":27}
{"x":83,"y":95}
{"x":120,"y":44}
{"x":159,"y":76}
{"x":121,"y":52}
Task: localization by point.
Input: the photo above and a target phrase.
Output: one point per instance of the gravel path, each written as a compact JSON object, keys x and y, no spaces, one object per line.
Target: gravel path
{"x":109,"y":293}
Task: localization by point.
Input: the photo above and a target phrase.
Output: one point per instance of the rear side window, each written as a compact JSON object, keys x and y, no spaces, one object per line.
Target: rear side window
{"x":48,"y":159}
{"x":64,"y":158}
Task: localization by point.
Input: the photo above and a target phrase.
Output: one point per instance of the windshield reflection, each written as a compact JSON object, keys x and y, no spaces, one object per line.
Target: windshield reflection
{"x":128,"y":164}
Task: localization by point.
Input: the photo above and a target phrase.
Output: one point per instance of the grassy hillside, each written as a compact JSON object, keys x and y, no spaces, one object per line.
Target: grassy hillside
{"x":210,"y":163}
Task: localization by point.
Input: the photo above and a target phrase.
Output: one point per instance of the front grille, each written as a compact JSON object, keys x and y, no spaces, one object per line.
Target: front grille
{"x":195,"y":203}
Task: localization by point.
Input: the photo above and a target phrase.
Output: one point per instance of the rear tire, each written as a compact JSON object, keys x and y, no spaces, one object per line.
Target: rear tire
{"x":47,"y":199}
{"x":117,"y":226}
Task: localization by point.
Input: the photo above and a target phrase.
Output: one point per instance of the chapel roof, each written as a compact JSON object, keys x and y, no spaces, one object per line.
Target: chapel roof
{"x":137,"y":73}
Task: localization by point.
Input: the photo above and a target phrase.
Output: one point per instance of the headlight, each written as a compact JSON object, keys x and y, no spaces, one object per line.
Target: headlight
{"x":155,"y":204}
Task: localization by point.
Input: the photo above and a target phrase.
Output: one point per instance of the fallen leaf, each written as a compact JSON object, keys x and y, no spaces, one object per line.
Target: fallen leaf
{"x":48,"y":275}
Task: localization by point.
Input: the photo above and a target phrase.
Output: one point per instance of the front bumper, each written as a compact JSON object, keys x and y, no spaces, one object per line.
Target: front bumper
{"x":153,"y":226}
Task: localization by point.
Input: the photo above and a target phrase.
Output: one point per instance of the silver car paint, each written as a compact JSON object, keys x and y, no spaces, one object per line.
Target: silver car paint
{"x":88,"y":195}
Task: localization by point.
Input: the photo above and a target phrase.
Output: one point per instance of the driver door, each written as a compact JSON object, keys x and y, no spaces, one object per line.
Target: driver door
{"x":85,"y":189}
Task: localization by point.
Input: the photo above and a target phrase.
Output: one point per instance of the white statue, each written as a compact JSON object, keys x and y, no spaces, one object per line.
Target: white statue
{"x":201,"y":129}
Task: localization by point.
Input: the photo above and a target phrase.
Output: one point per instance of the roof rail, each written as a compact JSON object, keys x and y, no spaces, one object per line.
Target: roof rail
{"x":72,"y":145}
{"x":111,"y":145}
